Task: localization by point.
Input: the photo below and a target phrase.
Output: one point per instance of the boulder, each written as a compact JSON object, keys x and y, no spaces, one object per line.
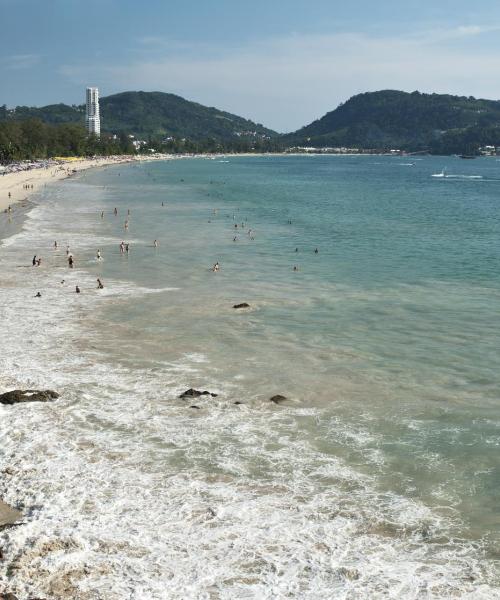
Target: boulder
{"x":278,"y":399}
{"x":242,"y":305}
{"x":191,"y":393}
{"x":17,"y":396}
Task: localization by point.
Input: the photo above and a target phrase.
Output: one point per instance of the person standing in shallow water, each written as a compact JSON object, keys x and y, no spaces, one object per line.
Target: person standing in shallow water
{"x":99,"y":284}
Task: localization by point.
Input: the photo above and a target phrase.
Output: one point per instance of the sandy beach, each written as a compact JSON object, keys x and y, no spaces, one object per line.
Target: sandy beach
{"x":14,"y":183}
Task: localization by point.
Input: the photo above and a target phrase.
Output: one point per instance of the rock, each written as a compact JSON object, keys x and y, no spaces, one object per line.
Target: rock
{"x":194,"y":406}
{"x":237,"y":402}
{"x":278,"y":399}
{"x":8,"y":515}
{"x":196,"y":393}
{"x":242,"y":305}
{"x":17,"y":396}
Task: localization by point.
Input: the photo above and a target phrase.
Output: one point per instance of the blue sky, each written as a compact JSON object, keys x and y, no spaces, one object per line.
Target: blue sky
{"x":282,"y":63}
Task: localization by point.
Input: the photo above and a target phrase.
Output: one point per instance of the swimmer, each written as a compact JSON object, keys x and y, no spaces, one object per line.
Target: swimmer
{"x":295,"y":268}
{"x":70,"y":261}
{"x":155,"y":243}
{"x":116,"y":211}
{"x":55,"y":245}
{"x":128,"y":212}
{"x":67,"y":250}
{"x":98,"y":255}
{"x":296,"y":249}
{"x":126,"y":224}
{"x":63,"y":281}
{"x":38,"y":295}
{"x":234,"y":239}
{"x":316,"y":251}
{"x":162,"y":204}
{"x":33,"y":262}
{"x":216,"y":267}
{"x":99,"y":284}
{"x":102,"y":214}
{"x":77,"y":289}
{"x":127,"y":247}
{"x":38,"y":262}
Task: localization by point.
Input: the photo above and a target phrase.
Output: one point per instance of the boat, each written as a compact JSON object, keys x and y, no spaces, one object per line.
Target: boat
{"x":467,"y":156}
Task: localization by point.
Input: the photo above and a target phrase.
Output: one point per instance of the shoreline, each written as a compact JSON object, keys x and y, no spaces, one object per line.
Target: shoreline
{"x":54,"y":170}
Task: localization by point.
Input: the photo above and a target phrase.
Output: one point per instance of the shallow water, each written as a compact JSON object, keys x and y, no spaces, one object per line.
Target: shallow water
{"x":379,"y":477}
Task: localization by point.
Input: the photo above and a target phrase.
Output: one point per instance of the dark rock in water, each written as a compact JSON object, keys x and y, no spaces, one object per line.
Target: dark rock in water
{"x":237,"y":402}
{"x":196,"y":393}
{"x":8,"y":515}
{"x":242,"y":305}
{"x":194,"y":406}
{"x":17,"y":396}
{"x":278,"y":399}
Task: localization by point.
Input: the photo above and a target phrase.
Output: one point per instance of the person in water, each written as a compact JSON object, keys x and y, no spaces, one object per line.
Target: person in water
{"x":33,"y":262}
{"x":116,"y":211}
{"x":98,"y":255}
{"x":55,"y":245}
{"x":67,"y":250}
{"x":216,"y":267}
{"x":155,"y":243}
{"x":77,"y":289}
{"x":39,"y":262}
{"x":316,"y":251}
{"x":38,"y":295}
{"x":127,"y":248}
{"x":99,"y":284}
{"x":70,"y":261}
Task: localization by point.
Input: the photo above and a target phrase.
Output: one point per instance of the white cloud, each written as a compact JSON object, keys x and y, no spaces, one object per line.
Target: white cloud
{"x":285,"y":83}
{"x":20,"y":61}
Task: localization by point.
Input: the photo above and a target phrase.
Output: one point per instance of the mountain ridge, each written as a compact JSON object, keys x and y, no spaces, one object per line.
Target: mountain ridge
{"x":149,"y":114}
{"x":411,"y":121}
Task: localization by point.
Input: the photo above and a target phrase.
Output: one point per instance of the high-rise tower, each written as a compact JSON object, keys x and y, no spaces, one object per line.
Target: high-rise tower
{"x":92,"y":118}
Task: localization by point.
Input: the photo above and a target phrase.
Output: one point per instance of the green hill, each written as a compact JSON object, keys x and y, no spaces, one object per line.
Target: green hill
{"x":439,"y":123}
{"x":147,"y":114}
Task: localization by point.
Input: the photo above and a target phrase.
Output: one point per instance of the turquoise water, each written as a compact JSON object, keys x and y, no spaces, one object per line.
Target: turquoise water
{"x":380,"y":475}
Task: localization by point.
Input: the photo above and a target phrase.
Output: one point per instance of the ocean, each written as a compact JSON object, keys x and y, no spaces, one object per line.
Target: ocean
{"x":377,"y":477}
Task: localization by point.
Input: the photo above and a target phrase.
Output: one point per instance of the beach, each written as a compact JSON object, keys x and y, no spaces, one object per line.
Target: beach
{"x":347,"y":442}
{"x":35,"y":175}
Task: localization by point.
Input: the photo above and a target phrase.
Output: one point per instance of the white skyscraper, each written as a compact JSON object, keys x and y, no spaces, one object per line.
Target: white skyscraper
{"x":92,"y":118}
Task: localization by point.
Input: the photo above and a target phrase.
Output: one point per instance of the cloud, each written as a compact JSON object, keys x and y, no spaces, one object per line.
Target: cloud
{"x":20,"y":61}
{"x":287,"y":82}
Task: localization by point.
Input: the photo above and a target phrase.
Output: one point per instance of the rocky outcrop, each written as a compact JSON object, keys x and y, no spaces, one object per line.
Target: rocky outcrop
{"x":17,"y":396}
{"x":191,"y":393}
{"x":278,"y":399}
{"x":242,"y":305}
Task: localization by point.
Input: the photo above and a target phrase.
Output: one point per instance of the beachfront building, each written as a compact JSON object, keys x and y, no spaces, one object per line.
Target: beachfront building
{"x":92,"y":117}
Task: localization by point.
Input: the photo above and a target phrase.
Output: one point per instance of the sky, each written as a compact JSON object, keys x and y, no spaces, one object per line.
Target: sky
{"x":282,"y":63}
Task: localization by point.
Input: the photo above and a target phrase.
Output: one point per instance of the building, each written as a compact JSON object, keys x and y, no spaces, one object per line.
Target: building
{"x":92,"y":117}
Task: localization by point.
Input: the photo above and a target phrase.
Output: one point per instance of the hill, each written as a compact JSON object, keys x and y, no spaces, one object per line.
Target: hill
{"x":148,"y":114}
{"x":439,"y":123}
